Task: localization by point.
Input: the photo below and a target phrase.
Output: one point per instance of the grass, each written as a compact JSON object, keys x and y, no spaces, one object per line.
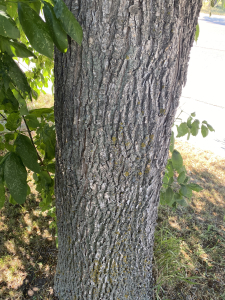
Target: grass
{"x":189,"y":256}
{"x":42,"y":101}
{"x":216,"y":10}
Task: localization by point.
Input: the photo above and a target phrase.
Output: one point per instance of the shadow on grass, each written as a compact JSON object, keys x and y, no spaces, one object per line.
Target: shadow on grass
{"x":27,"y":252}
{"x":194,"y":242}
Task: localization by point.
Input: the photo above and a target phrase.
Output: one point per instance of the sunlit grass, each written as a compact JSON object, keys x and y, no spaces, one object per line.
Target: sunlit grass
{"x":193,"y":238}
{"x":189,"y":257}
{"x":217,"y":10}
{"x":46,"y":100}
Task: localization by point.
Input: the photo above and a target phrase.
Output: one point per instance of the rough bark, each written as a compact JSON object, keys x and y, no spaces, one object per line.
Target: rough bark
{"x":115,"y":101}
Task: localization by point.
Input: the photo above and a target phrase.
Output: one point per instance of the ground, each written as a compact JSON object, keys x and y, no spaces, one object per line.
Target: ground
{"x":189,"y":255}
{"x":190,"y":242}
{"x":217,"y":10}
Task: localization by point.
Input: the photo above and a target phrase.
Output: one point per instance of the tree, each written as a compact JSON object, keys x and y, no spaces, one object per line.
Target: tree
{"x":115,"y":101}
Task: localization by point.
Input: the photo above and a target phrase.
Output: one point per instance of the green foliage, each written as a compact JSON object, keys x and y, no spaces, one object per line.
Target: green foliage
{"x":35,"y":29}
{"x":68,"y":22}
{"x":15,"y":176}
{"x":197,"y":33}
{"x":176,"y":188}
{"x":27,"y":152}
{"x":28,"y":136}
{"x":8,"y":26}
{"x":58,"y":35}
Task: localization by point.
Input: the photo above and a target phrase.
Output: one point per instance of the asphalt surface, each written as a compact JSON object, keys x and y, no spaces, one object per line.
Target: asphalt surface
{"x":204,"y":92}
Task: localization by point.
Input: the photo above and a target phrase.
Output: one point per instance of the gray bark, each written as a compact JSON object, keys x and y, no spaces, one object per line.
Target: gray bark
{"x":115,"y":101}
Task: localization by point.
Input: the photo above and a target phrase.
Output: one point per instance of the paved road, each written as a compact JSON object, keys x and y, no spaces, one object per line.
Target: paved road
{"x":204,"y":92}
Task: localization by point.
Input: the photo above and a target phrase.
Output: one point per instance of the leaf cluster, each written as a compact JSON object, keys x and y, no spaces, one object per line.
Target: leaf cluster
{"x":176,"y":187}
{"x":28,"y":32}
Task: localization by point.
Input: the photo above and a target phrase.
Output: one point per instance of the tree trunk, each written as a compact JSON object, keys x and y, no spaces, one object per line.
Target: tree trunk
{"x":115,"y":102}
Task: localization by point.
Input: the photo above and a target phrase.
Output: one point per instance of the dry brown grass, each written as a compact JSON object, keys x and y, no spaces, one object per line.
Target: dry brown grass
{"x":189,"y":241}
{"x":46,"y":100}
{"x":197,"y":233}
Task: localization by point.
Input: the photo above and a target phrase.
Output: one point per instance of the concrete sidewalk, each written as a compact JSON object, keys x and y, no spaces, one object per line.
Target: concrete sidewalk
{"x":204,"y":92}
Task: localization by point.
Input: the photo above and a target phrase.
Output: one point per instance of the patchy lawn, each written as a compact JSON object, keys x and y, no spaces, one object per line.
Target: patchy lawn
{"x":190,"y":242}
{"x":189,"y":260}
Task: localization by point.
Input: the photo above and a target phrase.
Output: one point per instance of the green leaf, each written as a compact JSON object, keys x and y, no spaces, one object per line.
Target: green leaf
{"x":27,"y":153}
{"x":2,"y":127}
{"x":23,"y":110}
{"x":177,"y":160}
{"x":15,"y":175}
{"x":169,"y":196}
{"x":20,"y":50}
{"x":182,"y":202}
{"x":208,"y":125}
{"x":32,"y":121}
{"x":44,"y":176}
{"x":162,"y":198}
{"x":189,"y":134}
{"x":204,"y":130}
{"x":9,"y":137}
{"x":28,"y":190}
{"x":189,"y":120}
{"x":12,"y":9}
{"x":197,"y":32}
{"x":181,"y":177}
{"x":14,"y":48}
{"x":182,"y":169}
{"x":171,"y":181}
{"x":177,"y":196}
{"x":165,"y":179}
{"x":2,"y":163}
{"x":194,"y":187}
{"x":3,"y":7}
{"x":13,"y":121}
{"x":182,"y":129}
{"x":35,"y":30}
{"x":186,"y":180}
{"x":69,"y":22}
{"x":193,"y":114}
{"x":39,"y":112}
{"x":2,"y":192}
{"x":195,"y":127}
{"x":172,"y":140}
{"x":16,"y":74}
{"x":35,"y":5}
{"x":51,"y":168}
{"x":8,"y":26}
{"x":185,"y":191}
{"x":49,"y":140}
{"x":169,"y":168}
{"x":58,"y":35}
{"x":11,"y":200}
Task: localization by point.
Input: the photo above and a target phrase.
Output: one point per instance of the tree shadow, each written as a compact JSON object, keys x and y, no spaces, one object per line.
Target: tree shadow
{"x":27,"y":250}
{"x":201,"y":230}
{"x":217,"y":20}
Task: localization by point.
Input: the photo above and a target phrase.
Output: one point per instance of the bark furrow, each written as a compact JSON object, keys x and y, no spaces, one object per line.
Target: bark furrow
{"x":115,"y":102}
